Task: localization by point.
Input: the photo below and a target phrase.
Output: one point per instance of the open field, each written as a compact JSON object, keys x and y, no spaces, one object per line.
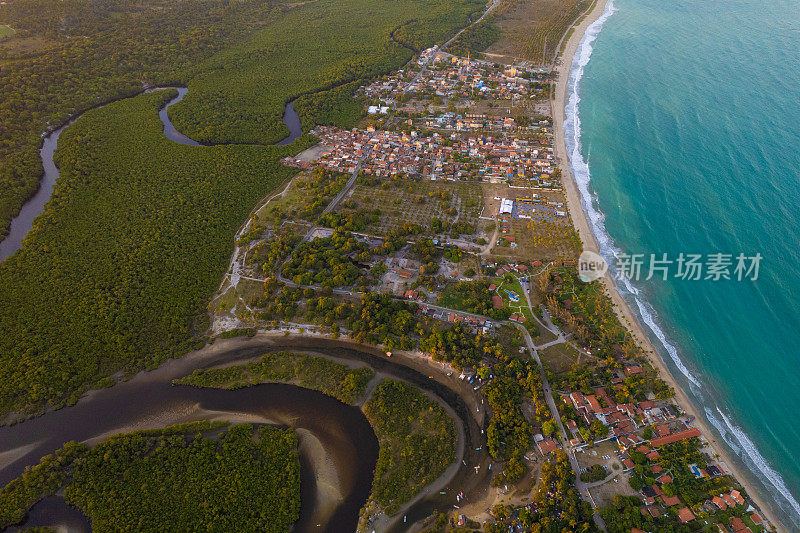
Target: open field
{"x":560,"y":357}
{"x":538,"y":240}
{"x":6,"y":30}
{"x":525,"y":26}
{"x":416,"y":202}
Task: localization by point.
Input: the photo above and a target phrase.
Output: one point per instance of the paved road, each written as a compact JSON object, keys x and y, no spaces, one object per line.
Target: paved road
{"x":495,"y":3}
{"x":335,"y":202}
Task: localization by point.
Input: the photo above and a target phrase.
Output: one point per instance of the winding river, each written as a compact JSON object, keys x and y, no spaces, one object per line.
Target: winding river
{"x":23,"y":223}
{"x":334,"y":436}
{"x":338,"y":448}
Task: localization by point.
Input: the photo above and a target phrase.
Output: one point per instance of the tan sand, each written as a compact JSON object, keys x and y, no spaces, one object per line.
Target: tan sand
{"x":328,"y":479}
{"x":622,"y":309}
{"x":14,"y":454}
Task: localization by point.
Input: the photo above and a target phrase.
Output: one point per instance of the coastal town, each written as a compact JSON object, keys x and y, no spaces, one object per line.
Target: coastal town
{"x":347,"y":266}
{"x":465,"y":148}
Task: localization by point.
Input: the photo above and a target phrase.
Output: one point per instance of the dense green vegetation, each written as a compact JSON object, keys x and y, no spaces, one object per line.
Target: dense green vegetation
{"x":472,"y":297}
{"x":317,"y":373}
{"x":241,"y":60}
{"x":238,"y":95}
{"x":50,"y":74}
{"x":172,"y":480}
{"x":417,"y":442}
{"x":327,"y":261}
{"x":118,"y":270}
{"x":476,"y":38}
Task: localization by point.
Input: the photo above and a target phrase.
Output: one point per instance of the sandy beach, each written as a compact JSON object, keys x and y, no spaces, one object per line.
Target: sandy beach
{"x":623,"y":310}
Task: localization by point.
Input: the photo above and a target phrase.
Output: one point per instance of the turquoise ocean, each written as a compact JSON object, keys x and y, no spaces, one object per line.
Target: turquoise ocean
{"x":683,"y":126}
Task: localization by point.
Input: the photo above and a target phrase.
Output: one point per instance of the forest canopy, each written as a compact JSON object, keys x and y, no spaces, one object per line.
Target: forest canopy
{"x":242,"y":61}
{"x":347,"y":385}
{"x":116,"y":273}
{"x":175,"y":479}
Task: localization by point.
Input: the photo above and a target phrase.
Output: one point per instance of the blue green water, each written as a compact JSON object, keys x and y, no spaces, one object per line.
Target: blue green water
{"x":689,"y":122}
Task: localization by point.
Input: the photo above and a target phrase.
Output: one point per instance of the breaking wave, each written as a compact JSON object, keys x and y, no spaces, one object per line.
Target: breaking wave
{"x":733,"y":435}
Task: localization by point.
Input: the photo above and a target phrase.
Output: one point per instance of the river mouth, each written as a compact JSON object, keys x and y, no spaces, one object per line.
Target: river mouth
{"x":338,"y":447}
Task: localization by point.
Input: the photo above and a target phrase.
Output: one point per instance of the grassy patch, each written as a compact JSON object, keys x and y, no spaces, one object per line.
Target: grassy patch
{"x":532,"y":29}
{"x":560,"y":357}
{"x":416,"y":202}
{"x":417,"y":442}
{"x":6,"y":31}
{"x":317,"y":373}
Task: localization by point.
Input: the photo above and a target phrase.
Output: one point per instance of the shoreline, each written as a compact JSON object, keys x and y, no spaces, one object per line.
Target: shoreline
{"x":621,"y":307}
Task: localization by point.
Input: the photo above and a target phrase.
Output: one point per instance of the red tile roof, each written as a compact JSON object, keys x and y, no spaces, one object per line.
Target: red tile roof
{"x":737,"y":524}
{"x":633,"y":369}
{"x":675,"y":437}
{"x":593,"y":402}
{"x":719,"y":502}
{"x":547,"y":446}
{"x":685,"y":515}
{"x":669,"y":501}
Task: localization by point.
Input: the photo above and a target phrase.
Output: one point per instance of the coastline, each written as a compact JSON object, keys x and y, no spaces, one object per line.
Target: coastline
{"x":621,"y":307}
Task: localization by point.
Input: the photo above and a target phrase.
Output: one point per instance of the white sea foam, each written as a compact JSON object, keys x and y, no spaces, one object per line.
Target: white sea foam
{"x":647,"y":314}
{"x":580,"y":172}
{"x":733,"y":435}
{"x":738,"y":440}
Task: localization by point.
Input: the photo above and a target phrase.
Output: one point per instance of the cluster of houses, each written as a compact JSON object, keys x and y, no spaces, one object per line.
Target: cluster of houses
{"x":457,"y":157}
{"x":475,"y":122}
{"x":621,"y":419}
{"x":654,"y":494}
{"x":651,"y":494}
{"x":446,"y":75}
